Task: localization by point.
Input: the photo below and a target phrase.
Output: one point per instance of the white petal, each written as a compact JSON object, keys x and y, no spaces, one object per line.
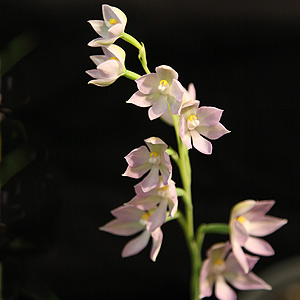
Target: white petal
{"x":136,"y":245}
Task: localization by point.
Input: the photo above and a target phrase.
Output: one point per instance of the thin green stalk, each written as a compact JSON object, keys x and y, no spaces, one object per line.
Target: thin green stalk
{"x":187,"y":222}
{"x":131,"y":75}
{"x":140,"y":46}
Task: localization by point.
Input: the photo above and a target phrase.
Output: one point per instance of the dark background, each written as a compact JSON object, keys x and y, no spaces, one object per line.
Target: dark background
{"x":242,"y":56}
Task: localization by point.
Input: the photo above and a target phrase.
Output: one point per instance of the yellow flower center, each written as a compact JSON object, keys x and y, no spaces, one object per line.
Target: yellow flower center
{"x":219,"y":262}
{"x":241,"y":219}
{"x":163,"y":188}
{"x":154,"y":158}
{"x":113,"y":21}
{"x":163,"y":82}
{"x":113,"y":58}
{"x":192,"y":118}
{"x":145,"y":216}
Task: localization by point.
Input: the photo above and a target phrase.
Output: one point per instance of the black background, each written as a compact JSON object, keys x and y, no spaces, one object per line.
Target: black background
{"x":242,"y":56}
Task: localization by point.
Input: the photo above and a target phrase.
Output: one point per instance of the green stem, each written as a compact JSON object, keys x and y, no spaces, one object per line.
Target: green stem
{"x":187,"y":221}
{"x":140,"y":46}
{"x":131,"y":75}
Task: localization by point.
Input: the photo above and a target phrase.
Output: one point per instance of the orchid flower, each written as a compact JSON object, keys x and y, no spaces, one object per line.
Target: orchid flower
{"x":141,"y":160}
{"x":189,"y":94}
{"x":131,"y":220}
{"x":164,"y":196}
{"x":159,"y":90}
{"x":111,"y":28}
{"x":110,"y":66}
{"x":219,"y":267}
{"x":195,"y":122}
{"x":247,"y":222}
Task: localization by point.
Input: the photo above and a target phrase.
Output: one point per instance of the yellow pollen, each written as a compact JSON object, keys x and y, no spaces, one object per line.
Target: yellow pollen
{"x":163,"y":82}
{"x":192,"y":118}
{"x":113,"y":21}
{"x":219,"y":262}
{"x":153,"y":154}
{"x":113,"y":58}
{"x":163,"y":188}
{"x":241,"y":219}
{"x":145,"y":216}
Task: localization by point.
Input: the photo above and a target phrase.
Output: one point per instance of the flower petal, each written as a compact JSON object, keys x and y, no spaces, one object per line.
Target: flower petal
{"x":206,"y":281}
{"x":136,"y":245}
{"x":259,"y":246}
{"x":208,"y":115}
{"x":158,"y":108}
{"x":147,"y":84}
{"x":212,"y":132}
{"x":99,"y":27}
{"x":158,"y":217}
{"x":223,"y":291}
{"x":102,"y":42}
{"x":151,"y":180}
{"x":259,"y":209}
{"x":137,"y":172}
{"x":166,"y":73}
{"x":98,"y":59}
{"x":248,"y":281}
{"x":265,"y":226}
{"x":241,"y":208}
{"x":122,"y":228}
{"x":200,"y":143}
{"x":240,"y":256}
{"x":138,"y":156}
{"x":157,"y":237}
{"x":127,"y":213}
{"x":142,"y":100}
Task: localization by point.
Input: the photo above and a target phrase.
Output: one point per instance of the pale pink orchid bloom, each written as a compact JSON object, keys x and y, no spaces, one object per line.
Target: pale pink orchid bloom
{"x":162,"y":197}
{"x":248,"y":221}
{"x":189,"y":94}
{"x":111,"y":28}
{"x":157,"y":91}
{"x":196,"y":122}
{"x":157,"y":161}
{"x":219,"y":267}
{"x":110,"y":66}
{"x":131,"y":220}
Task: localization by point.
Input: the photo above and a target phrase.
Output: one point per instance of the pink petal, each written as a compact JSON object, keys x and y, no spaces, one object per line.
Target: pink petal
{"x":115,"y":30}
{"x":200,"y":143}
{"x":127,"y":213}
{"x":191,"y":92}
{"x":176,"y":90}
{"x":206,"y":281}
{"x":147,"y":84}
{"x":239,"y":233}
{"x":142,"y":100}
{"x":259,"y":246}
{"x":158,"y":217}
{"x":212,"y":132}
{"x":110,"y":68}
{"x":240,"y":256}
{"x":157,"y":237}
{"x":208,"y":115}
{"x":265,"y":226}
{"x":122,"y":228}
{"x":259,"y":210}
{"x":151,"y":180}
{"x":241,"y":208}
{"x":138,"y":156}
{"x":136,"y":245}
{"x":166,"y":73}
{"x":223,"y":291}
{"x":145,"y":203}
{"x":174,"y":104}
{"x":158,"y":108}
{"x":99,"y":27}
{"x":156,"y":144}
{"x":233,"y":266}
{"x":102,"y":42}
{"x":137,"y":172}
{"x":98,"y":59}
{"x":103,"y":82}
{"x":248,"y":281}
